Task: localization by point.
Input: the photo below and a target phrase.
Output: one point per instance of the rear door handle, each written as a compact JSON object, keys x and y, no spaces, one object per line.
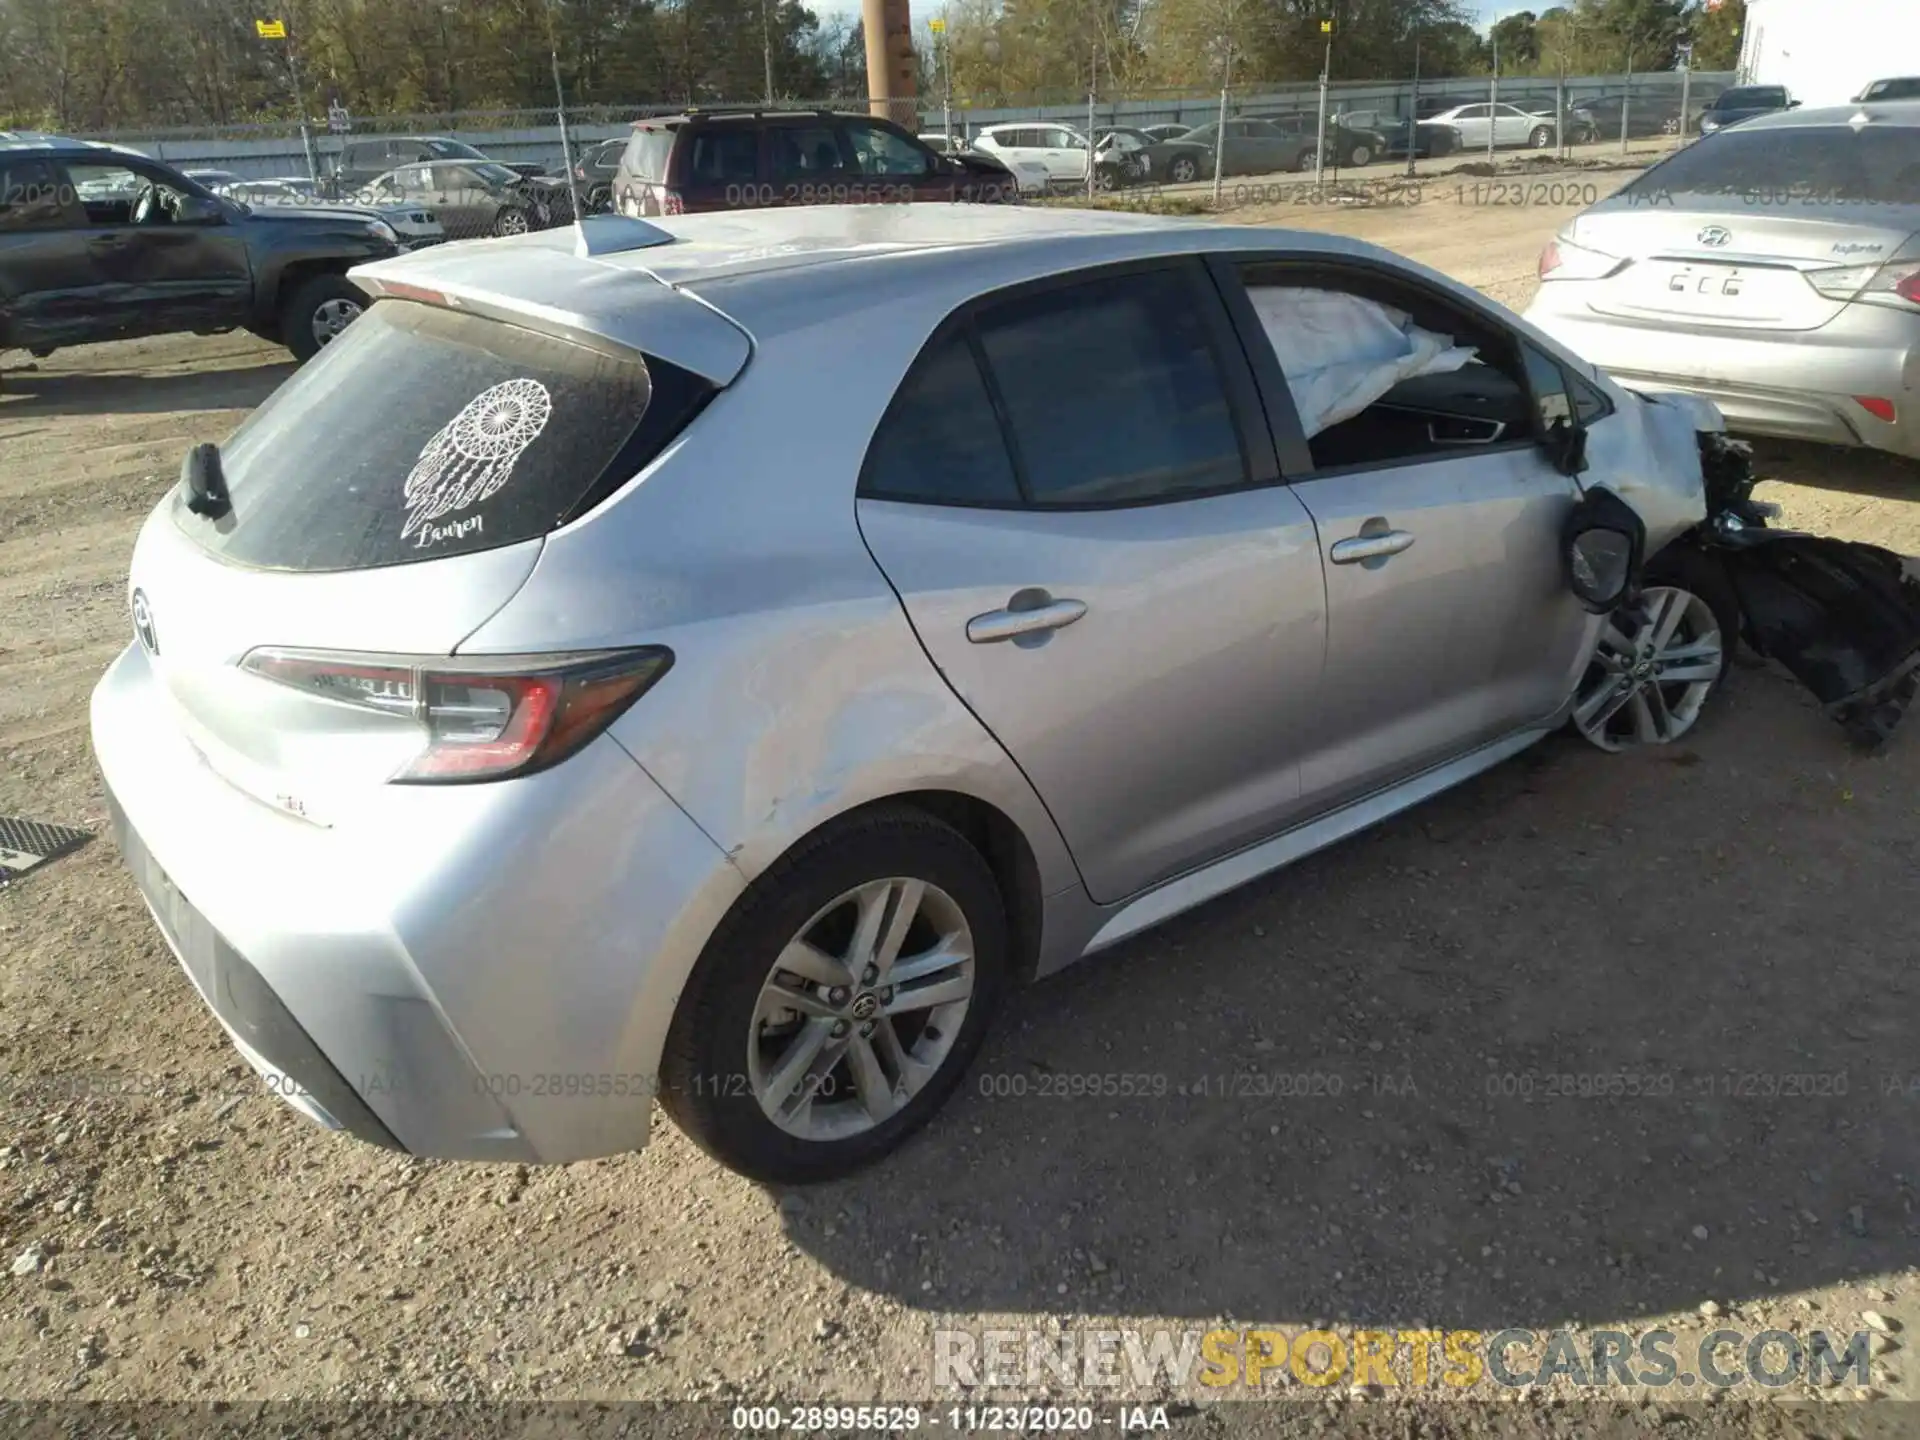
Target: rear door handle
{"x":1010,"y":624}
{"x":1356,"y":548}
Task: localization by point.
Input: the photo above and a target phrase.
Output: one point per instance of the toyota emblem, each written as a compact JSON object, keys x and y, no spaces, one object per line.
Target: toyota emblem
{"x":143,"y":623}
{"x":1715,"y":235}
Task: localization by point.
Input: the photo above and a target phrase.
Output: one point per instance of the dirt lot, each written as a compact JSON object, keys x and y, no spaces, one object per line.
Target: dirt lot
{"x":1729,"y":916}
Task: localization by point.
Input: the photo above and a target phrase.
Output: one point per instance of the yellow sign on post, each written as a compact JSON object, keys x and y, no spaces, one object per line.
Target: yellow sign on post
{"x":938,"y":27}
{"x":271,"y":29}
{"x":1326,"y":27}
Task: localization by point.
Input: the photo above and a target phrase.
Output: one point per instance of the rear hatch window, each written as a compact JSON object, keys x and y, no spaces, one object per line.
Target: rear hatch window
{"x":422,"y":432}
{"x":647,"y":154}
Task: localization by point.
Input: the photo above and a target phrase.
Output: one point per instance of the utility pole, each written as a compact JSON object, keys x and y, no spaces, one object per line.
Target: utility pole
{"x":1226,"y":83}
{"x":1093,"y":82}
{"x":1686,"y":88}
{"x":1326,"y":72}
{"x":766,"y":51}
{"x":1493,"y":94}
{"x":1413,"y":105}
{"x":277,"y":30}
{"x":1626,"y":99}
{"x":939,"y":28}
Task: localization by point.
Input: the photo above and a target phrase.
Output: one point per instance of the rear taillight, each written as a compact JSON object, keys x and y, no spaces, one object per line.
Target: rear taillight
{"x":1564,"y":260}
{"x":671,"y":203}
{"x":1877,"y":406}
{"x":481,"y":718}
{"x":1896,"y":281}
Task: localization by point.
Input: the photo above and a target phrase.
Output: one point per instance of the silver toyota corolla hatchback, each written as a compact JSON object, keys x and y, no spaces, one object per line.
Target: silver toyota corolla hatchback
{"x":714,"y":660}
{"x":1773,"y":268}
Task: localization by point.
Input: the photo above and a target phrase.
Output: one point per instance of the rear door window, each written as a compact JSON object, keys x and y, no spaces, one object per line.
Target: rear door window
{"x":727,"y":156}
{"x":1151,"y":421}
{"x":421,"y":433}
{"x":32,"y":196}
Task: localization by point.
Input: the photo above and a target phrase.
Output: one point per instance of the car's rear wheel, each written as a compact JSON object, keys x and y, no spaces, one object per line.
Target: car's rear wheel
{"x":1183,"y":170}
{"x":840,"y":1002}
{"x":1653,"y":673}
{"x":318,"y":312}
{"x":1542,"y":137}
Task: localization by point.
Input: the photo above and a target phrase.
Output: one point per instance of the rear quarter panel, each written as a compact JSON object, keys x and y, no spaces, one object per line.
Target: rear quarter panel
{"x":798,"y":690}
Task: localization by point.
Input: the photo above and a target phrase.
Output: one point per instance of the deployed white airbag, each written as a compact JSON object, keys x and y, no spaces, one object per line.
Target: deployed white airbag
{"x":1340,"y":352}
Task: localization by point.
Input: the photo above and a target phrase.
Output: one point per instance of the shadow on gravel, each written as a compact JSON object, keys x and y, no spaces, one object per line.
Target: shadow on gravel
{"x":65,"y":392}
{"x":1593,"y":1037}
{"x":1825,"y":467}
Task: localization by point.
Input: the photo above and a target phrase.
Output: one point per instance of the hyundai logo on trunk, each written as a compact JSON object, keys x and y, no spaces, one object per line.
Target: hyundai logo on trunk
{"x":143,"y":623}
{"x":1714,"y":235}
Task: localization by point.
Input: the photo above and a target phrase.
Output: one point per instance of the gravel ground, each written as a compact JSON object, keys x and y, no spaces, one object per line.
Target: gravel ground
{"x":1717,"y":920}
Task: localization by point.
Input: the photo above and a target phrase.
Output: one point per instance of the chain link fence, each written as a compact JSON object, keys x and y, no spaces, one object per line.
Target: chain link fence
{"x":438,"y":182}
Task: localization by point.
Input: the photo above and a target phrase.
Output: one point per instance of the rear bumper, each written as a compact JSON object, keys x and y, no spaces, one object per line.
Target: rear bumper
{"x":475,"y":972}
{"x":1797,"y":385}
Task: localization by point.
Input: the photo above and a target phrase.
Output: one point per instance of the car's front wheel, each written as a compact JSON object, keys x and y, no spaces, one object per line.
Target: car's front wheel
{"x":510,"y":221}
{"x":317,"y":312}
{"x":1362,"y":155}
{"x":1542,"y":137}
{"x":840,"y":1002}
{"x":1183,"y":170}
{"x":1655,"y":669}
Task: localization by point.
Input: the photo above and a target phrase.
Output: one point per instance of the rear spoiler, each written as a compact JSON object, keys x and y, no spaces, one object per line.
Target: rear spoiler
{"x":559,"y":282}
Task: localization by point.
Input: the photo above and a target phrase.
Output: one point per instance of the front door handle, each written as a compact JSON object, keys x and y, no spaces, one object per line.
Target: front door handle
{"x":1015,"y":621}
{"x":1356,"y":548}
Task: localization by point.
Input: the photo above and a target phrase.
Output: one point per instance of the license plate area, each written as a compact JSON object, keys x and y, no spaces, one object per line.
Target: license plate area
{"x":1743,"y":293}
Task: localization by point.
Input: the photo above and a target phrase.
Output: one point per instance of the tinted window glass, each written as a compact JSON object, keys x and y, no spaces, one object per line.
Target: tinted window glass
{"x":421,"y":433}
{"x":1831,"y":162}
{"x":879,"y":151}
{"x":1113,"y":391}
{"x":726,"y":156}
{"x":941,"y":441}
{"x":805,"y":152}
{"x":1551,"y":402}
{"x":1752,"y":97}
{"x":30,"y":196}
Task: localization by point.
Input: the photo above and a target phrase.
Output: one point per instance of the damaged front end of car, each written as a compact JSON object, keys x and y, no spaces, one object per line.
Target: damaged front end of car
{"x":1841,"y":616}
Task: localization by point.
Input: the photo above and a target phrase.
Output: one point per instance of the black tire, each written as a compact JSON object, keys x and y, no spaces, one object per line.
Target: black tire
{"x":703,"y":1070}
{"x":511,"y":221}
{"x":1106,"y":180}
{"x":300,"y":315}
{"x":1541,"y":138}
{"x":1183,"y":170}
{"x":1303,"y":162}
{"x":1362,"y":155}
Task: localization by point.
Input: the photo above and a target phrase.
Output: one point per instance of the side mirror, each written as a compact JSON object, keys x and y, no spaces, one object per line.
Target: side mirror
{"x":1604,"y":541}
{"x":199,"y":210}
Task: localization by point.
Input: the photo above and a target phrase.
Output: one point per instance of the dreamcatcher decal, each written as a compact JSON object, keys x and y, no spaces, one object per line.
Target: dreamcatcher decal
{"x":474,"y":453}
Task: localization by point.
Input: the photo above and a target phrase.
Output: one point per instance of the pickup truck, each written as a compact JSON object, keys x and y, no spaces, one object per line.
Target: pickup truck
{"x":100,"y":243}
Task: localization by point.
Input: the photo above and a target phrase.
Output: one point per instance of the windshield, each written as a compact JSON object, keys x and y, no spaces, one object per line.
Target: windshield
{"x":1832,"y":164}
{"x":452,"y":150}
{"x":495,"y":174}
{"x":421,"y":433}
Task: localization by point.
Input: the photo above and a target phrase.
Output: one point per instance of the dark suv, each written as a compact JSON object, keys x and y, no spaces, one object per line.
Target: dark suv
{"x":727,"y":160}
{"x":99,"y":243}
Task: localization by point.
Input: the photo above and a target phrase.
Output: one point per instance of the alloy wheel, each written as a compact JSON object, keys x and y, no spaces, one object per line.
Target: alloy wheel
{"x":861,"y":1009}
{"x":1650,"y":676}
{"x":332,"y":317}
